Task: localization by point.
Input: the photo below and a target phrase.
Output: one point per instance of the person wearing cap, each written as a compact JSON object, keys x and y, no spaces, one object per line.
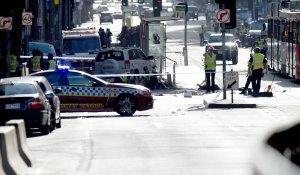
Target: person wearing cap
{"x":259,"y":63}
{"x":210,"y":69}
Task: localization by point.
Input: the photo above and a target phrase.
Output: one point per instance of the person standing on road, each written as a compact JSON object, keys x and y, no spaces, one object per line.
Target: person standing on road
{"x":13,"y":64}
{"x":108,"y":36}
{"x":259,"y":63}
{"x":50,"y":63}
{"x":249,"y":75}
{"x":210,"y":69}
{"x":201,"y":31}
{"x":35,"y":63}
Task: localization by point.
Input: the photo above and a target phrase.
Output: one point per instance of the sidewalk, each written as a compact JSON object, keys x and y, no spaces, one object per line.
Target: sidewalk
{"x":187,"y":78}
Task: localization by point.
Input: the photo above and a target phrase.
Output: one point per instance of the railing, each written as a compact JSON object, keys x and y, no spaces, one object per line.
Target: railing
{"x":174,"y":72}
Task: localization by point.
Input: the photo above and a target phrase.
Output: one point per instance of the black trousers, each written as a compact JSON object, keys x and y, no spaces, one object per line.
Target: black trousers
{"x":210,"y":80}
{"x":256,"y":79}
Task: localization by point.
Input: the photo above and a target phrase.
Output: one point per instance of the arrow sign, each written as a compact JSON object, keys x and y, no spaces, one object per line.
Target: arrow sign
{"x":223,"y":15}
{"x":5,"y":23}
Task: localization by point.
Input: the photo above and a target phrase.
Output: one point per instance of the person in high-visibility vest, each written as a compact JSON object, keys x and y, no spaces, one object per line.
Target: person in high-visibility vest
{"x":35,"y":63}
{"x":50,"y":63}
{"x":13,"y":65}
{"x":210,"y":69}
{"x":249,"y":75}
{"x":259,"y":63}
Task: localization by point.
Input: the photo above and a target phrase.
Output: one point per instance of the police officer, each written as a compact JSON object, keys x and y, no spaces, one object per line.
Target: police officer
{"x":259,"y":63}
{"x":13,"y":65}
{"x":210,"y":69}
{"x":50,"y":63}
{"x":201,"y":34}
{"x":249,"y":75}
{"x":35,"y":63}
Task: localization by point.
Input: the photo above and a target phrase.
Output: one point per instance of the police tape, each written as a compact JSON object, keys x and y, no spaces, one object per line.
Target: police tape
{"x":62,"y":58}
{"x":161,"y":74}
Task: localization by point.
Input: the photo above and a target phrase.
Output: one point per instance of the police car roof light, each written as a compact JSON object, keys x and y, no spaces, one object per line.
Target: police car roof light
{"x":63,"y":68}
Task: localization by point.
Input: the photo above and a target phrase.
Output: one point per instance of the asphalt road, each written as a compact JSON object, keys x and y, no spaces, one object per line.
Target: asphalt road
{"x":178,"y":136}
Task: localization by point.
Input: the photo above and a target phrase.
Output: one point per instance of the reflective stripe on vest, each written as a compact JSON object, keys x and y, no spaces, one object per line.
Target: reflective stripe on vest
{"x":52,"y":64}
{"x":13,"y":63}
{"x":210,"y":62}
{"x":258,"y":61}
{"x":36,"y":65}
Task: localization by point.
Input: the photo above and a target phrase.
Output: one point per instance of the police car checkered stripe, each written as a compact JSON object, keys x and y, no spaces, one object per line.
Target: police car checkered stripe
{"x":92,"y":91}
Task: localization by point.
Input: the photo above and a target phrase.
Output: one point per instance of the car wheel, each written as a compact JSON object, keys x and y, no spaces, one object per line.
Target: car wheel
{"x":53,"y":121}
{"x":110,"y":66}
{"x":235,"y":60}
{"x":126,"y":105}
{"x":58,"y":125}
{"x":46,"y":129}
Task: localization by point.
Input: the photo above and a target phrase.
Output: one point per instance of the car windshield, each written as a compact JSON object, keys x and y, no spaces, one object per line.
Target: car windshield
{"x":81,"y":45}
{"x":16,"y":89}
{"x":218,"y":38}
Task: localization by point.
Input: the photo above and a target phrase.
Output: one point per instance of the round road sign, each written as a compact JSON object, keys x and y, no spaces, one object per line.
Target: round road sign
{"x":223,"y":15}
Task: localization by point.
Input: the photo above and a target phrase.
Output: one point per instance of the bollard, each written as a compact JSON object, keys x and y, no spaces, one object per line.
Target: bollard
{"x":24,"y":150}
{"x":12,"y":162}
{"x":169,"y":79}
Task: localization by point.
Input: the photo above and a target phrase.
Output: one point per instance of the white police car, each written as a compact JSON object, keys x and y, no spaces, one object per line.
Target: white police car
{"x":82,"y":92}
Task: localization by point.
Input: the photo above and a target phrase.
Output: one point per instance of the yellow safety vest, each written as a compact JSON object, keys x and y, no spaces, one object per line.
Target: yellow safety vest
{"x":36,"y":64}
{"x":258,"y":61}
{"x":13,"y":63}
{"x":261,"y":44}
{"x":210,"y":62}
{"x":52,"y":64}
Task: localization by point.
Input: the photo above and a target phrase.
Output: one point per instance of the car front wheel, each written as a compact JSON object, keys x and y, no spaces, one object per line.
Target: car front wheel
{"x":126,"y":105}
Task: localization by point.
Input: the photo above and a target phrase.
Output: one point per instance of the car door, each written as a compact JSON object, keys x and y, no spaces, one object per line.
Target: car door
{"x":90,"y":93}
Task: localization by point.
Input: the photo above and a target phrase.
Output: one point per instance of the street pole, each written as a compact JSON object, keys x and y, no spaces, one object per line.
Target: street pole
{"x":224,"y":57}
{"x":185,"y":50}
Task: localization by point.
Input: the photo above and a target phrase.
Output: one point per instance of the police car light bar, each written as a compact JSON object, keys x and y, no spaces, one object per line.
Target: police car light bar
{"x":63,"y":67}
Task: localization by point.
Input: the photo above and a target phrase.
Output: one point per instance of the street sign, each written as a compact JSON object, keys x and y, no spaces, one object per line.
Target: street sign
{"x":26,"y":18}
{"x":232,"y":80}
{"x":5,"y":23}
{"x":223,"y":15}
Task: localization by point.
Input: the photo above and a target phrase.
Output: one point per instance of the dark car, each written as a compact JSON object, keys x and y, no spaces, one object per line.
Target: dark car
{"x":82,"y":92}
{"x":106,"y":16}
{"x":251,"y":37}
{"x":51,"y":94}
{"x":25,"y":100}
{"x":231,"y":46}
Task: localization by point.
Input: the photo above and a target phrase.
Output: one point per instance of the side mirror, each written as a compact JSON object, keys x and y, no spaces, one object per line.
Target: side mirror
{"x":150,"y":57}
{"x":205,"y":42}
{"x":49,"y":95}
{"x":57,"y":91}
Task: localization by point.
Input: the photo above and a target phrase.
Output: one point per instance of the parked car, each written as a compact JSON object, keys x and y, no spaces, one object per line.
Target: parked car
{"x":82,"y":92}
{"x":122,"y":60}
{"x":44,"y":48}
{"x":49,"y":92}
{"x":106,"y":16}
{"x":25,"y":100}
{"x":118,"y":14}
{"x":231,"y":46}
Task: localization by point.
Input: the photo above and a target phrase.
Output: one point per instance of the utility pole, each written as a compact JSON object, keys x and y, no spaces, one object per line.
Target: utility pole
{"x":185,"y":50}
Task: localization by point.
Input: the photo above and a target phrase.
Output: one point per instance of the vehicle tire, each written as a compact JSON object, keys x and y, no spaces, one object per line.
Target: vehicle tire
{"x":235,"y":60}
{"x":126,"y":105}
{"x":110,"y":66}
{"x":46,"y":129}
{"x":58,"y":125}
{"x":53,"y":121}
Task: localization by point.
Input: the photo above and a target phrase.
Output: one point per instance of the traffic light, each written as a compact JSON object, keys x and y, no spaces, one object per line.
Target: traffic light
{"x":124,"y":2}
{"x":157,"y":6}
{"x":229,"y":4}
{"x":140,"y":1}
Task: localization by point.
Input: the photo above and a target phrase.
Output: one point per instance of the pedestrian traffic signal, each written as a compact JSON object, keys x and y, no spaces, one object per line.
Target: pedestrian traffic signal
{"x":140,"y":1}
{"x":124,"y":2}
{"x":229,"y":4}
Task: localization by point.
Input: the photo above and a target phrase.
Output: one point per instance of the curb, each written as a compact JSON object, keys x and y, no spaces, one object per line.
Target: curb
{"x":24,"y":150}
{"x":227,"y":104}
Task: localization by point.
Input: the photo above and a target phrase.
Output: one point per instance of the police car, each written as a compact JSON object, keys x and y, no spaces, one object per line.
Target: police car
{"x":82,"y":92}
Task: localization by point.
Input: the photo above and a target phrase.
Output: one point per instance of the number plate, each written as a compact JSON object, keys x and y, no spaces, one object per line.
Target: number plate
{"x":12,"y":106}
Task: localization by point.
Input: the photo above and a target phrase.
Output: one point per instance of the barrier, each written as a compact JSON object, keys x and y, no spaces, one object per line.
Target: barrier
{"x":12,"y":162}
{"x":24,"y":150}
{"x":1,"y":164}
